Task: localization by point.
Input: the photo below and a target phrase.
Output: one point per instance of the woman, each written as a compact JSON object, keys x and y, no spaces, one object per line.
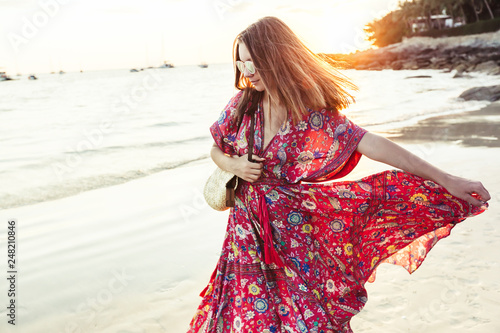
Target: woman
{"x":296,"y":255}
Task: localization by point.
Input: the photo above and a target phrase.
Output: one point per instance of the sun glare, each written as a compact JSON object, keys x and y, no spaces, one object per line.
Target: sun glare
{"x":345,"y":30}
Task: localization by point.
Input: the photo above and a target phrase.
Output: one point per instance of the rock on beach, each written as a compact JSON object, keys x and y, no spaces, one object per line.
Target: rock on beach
{"x":489,"y":93}
{"x":463,"y":54}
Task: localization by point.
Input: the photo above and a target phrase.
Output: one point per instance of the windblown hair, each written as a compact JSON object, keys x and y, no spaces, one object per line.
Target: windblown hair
{"x":291,"y":73}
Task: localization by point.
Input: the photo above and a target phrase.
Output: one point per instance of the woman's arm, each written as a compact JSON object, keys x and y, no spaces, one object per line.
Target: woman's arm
{"x":383,"y":150}
{"x":238,"y":165}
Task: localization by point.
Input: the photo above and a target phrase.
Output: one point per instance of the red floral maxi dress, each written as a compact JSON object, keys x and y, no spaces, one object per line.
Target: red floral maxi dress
{"x":296,"y":255}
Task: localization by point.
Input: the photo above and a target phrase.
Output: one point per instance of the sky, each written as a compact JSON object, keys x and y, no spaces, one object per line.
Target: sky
{"x":39,"y":36}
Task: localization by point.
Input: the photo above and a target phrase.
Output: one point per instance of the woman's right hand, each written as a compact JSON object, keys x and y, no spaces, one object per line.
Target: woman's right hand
{"x":469,"y":190}
{"x":246,"y":170}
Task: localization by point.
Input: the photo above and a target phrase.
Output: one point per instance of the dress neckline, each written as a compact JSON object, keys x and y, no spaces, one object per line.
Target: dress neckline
{"x":260,"y":109}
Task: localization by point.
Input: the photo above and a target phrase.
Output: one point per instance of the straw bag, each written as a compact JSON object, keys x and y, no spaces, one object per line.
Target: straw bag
{"x":220,"y":186}
{"x":219,"y":189}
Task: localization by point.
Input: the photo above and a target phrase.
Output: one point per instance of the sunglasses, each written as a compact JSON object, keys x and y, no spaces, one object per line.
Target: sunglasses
{"x":247,"y":64}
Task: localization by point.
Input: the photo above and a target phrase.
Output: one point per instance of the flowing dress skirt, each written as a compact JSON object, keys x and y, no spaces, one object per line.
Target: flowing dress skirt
{"x":330,"y":239}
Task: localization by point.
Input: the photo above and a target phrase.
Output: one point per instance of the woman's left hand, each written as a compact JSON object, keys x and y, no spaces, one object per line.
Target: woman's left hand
{"x":383,"y":150}
{"x":469,"y":190}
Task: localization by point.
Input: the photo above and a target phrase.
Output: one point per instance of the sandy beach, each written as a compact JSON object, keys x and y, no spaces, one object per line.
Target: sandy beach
{"x":474,"y":128}
{"x":456,"y":289}
{"x":134,"y":257}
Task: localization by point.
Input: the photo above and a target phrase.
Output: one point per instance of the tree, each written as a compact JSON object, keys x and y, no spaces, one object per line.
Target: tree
{"x":387,"y":30}
{"x":489,"y":9}
{"x":478,"y":6}
{"x":454,"y":9}
{"x":395,"y":25}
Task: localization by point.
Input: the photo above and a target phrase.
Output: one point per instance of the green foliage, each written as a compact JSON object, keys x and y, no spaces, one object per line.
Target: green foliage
{"x":388,"y":30}
{"x":468,"y":29}
{"x":395,"y":25}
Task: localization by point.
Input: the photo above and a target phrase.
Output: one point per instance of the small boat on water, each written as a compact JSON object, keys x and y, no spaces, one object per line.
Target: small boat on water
{"x":4,"y":77}
{"x":166,"y":64}
{"x":133,"y":70}
{"x":62,"y":72}
{"x":203,"y":65}
{"x":32,"y":77}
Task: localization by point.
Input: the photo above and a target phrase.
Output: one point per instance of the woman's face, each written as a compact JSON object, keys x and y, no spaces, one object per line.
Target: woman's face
{"x":254,"y":78}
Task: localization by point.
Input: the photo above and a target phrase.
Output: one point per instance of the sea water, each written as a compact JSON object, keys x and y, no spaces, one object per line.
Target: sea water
{"x":67,"y":133}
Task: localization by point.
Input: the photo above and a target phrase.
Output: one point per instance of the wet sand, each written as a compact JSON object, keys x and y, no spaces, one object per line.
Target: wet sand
{"x":457,"y":288}
{"x":472,"y":129}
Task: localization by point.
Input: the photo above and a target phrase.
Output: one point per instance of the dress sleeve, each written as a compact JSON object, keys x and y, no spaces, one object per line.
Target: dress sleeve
{"x":224,"y":130}
{"x":326,"y":148}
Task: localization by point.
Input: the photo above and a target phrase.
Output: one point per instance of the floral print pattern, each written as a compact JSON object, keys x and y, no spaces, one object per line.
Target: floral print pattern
{"x":329,"y":237}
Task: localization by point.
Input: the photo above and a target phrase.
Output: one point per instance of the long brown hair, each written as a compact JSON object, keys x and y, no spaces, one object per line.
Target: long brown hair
{"x":291,"y":73}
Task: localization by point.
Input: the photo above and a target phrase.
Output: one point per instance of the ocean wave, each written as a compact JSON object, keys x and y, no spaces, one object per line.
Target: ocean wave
{"x":167,"y":124}
{"x":71,"y":187}
{"x":454,"y":106}
{"x":140,"y":146}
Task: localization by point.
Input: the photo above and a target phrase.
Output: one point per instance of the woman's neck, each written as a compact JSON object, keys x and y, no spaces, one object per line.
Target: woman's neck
{"x":273,"y":110}
{"x":275,"y":104}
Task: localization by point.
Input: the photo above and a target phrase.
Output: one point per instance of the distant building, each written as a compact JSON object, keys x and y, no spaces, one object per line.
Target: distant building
{"x":436,"y":22}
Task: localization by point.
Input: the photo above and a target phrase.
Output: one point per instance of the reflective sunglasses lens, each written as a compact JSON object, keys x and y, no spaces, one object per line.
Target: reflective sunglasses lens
{"x":241,"y":66}
{"x":250,"y":67}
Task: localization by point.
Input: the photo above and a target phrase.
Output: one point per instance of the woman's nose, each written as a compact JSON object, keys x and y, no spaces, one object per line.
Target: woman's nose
{"x":247,"y":73}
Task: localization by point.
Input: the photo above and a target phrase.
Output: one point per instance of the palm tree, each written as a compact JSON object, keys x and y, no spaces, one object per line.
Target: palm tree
{"x":454,"y":9}
{"x":408,"y":11}
{"x":427,"y":6}
{"x":489,"y":9}
{"x":481,"y":7}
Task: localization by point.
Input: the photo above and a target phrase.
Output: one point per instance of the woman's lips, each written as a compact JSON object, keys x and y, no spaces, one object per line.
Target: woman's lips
{"x":254,"y":82}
